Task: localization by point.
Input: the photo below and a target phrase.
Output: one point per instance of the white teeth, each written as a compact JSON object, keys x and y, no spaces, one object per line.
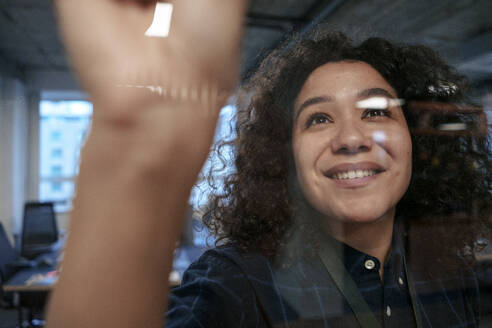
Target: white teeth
{"x":357,"y":174}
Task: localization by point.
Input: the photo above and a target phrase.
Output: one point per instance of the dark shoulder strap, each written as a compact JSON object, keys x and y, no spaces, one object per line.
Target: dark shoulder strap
{"x":347,"y":286}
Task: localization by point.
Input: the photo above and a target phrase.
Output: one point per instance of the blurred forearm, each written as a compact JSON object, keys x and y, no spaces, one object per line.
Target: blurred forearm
{"x":126,"y":220}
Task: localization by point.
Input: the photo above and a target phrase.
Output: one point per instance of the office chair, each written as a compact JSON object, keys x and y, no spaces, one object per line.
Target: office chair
{"x":7,"y":256}
{"x":39,"y":229}
{"x":10,"y":262}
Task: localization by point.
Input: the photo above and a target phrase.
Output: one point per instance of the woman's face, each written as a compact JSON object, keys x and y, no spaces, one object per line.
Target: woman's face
{"x":353,"y":156}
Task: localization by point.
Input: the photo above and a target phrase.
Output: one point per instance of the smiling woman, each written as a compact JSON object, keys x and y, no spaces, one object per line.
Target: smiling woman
{"x":313,"y":99}
{"x":341,"y":212}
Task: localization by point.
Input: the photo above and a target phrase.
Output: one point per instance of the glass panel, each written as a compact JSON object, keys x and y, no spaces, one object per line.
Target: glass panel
{"x":356,"y":152}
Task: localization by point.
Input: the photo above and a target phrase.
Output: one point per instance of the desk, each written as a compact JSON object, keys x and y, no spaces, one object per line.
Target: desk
{"x":22,"y":281}
{"x":31,"y":293}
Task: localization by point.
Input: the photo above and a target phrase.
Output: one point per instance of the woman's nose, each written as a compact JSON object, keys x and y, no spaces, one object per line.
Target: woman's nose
{"x":351,"y":137}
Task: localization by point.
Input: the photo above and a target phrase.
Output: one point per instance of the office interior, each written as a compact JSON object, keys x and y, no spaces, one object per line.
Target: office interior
{"x":34,"y":66}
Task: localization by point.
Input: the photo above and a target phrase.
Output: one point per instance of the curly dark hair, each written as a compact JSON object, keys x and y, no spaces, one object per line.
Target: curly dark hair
{"x":261,"y":208}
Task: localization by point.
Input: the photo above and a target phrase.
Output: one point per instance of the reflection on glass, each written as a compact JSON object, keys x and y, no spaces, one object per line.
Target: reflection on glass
{"x":379,"y":103}
{"x":162,"y":21}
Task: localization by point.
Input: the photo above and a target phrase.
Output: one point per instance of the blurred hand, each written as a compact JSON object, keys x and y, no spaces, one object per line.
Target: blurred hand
{"x":186,"y":71}
{"x":107,"y":43}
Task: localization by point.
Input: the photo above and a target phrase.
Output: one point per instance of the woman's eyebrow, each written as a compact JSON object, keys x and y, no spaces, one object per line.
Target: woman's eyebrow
{"x":362,"y":94}
{"x":374,"y":92}
{"x":312,"y":101}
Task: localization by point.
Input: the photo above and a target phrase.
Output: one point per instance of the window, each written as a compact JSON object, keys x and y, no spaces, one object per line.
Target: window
{"x":56,"y":170}
{"x":56,"y":153}
{"x":63,"y":128}
{"x":56,"y":187}
{"x":55,"y":135}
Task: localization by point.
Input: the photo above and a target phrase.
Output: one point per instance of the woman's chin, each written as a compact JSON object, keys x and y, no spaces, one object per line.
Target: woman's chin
{"x":362,"y":217}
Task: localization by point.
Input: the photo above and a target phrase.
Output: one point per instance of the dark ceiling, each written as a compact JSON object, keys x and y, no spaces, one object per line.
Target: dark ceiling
{"x":460,"y":29}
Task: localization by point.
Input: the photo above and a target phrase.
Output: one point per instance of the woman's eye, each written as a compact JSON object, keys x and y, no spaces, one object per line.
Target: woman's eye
{"x":316,"y":119}
{"x":368,"y":113}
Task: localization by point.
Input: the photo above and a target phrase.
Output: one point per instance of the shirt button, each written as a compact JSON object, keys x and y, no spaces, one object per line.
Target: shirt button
{"x":369,"y":264}
{"x":400,"y":281}
{"x":388,"y":311}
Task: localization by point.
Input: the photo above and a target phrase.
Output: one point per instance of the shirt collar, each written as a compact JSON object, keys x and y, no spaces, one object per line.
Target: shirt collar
{"x":356,"y":262}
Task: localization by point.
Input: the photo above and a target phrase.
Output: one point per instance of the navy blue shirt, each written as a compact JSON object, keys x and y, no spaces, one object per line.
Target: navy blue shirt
{"x":389,"y":299}
{"x":227,"y":289}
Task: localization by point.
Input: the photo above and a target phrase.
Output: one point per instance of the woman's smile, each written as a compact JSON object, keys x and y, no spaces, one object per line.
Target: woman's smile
{"x":354,"y":175}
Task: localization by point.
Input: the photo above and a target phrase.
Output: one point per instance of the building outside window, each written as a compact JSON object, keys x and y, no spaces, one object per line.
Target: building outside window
{"x":63,"y":128}
{"x":56,"y":153}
